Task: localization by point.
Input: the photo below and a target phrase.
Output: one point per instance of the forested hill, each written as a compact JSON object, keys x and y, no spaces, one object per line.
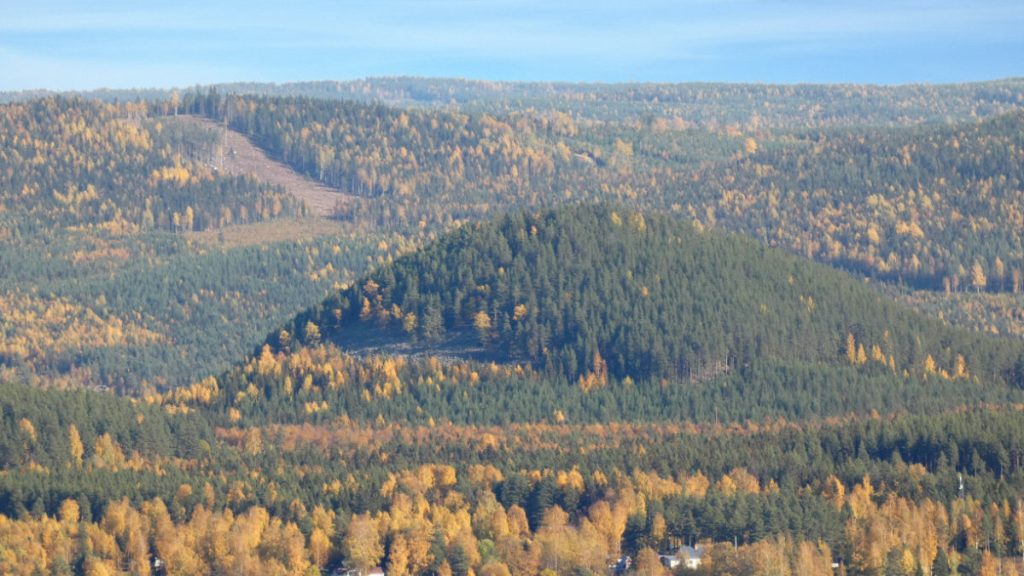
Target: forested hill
{"x":935,"y":205}
{"x":117,"y":265}
{"x":707,"y":104}
{"x":68,"y":162}
{"x":595,"y":291}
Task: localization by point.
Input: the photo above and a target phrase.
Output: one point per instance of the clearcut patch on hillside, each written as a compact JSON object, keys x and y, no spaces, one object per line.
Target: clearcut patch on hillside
{"x":242,"y":157}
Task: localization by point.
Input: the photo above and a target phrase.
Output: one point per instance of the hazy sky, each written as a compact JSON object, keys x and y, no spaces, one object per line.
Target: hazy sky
{"x":81,"y":44}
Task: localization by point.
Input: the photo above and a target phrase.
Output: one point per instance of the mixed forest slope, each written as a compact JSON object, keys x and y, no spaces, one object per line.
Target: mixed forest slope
{"x":71,"y":162}
{"x":934,"y":205}
{"x":100,"y":282}
{"x":704,"y":104}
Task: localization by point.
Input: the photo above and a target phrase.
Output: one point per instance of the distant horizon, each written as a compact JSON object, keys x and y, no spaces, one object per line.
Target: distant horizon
{"x":185,"y":88}
{"x":61,"y":45}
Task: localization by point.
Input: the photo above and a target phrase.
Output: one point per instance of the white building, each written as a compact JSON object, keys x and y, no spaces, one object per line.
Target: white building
{"x":688,"y":556}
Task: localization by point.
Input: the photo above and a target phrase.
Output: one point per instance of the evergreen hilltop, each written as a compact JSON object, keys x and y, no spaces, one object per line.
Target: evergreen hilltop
{"x":602,"y":291}
{"x":597,"y":314}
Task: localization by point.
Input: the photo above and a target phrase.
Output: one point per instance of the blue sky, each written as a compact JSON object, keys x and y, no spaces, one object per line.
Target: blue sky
{"x":75,"y":44}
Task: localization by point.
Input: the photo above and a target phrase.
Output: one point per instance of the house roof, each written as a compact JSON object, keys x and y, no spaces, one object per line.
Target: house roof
{"x":690,"y":552}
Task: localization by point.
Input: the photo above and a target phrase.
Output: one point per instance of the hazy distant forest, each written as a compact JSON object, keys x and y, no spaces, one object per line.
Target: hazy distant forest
{"x":525,"y":329}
